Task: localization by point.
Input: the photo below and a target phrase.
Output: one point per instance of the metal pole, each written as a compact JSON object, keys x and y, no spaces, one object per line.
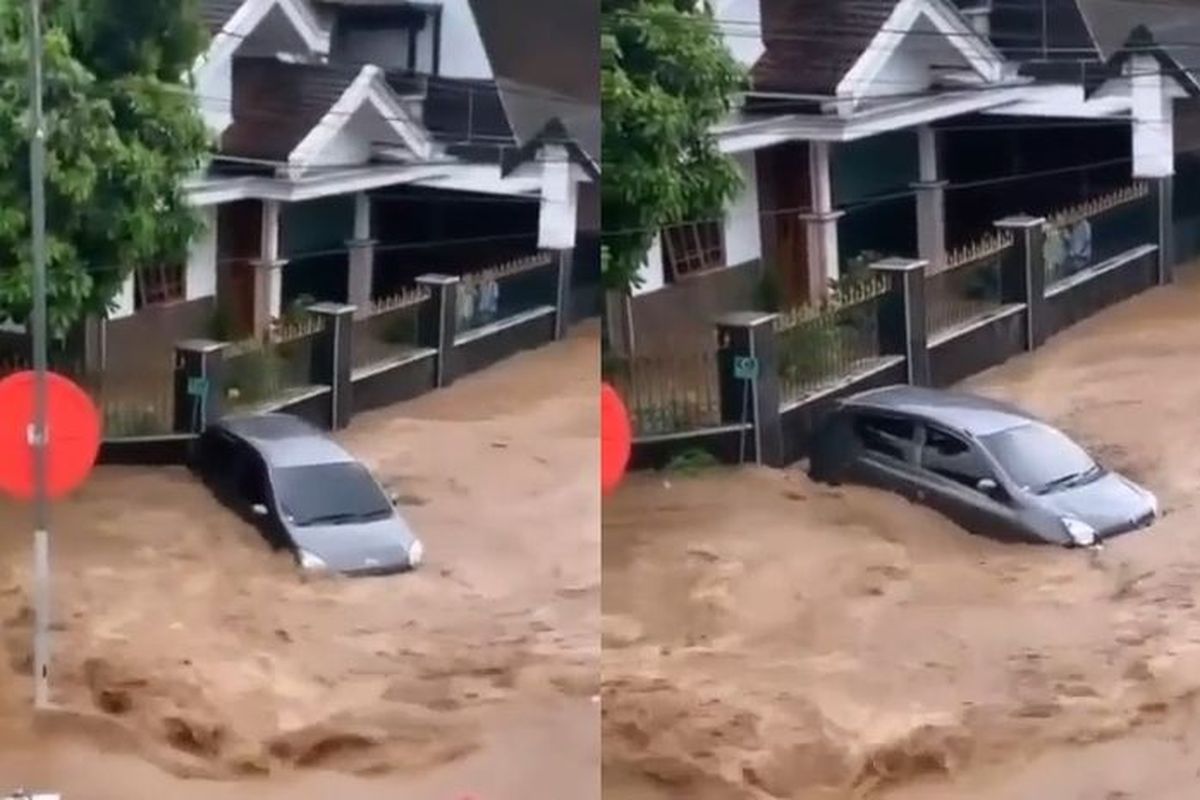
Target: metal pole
{"x":39,"y":435}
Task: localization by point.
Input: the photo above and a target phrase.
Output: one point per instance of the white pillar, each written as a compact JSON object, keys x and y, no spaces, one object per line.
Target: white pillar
{"x":268,"y":284}
{"x":361,"y":267}
{"x":931,"y":201}
{"x":558,"y":214}
{"x":822,"y":238}
{"x":1153,"y":119}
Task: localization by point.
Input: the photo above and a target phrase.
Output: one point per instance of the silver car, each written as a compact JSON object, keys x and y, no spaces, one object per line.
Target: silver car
{"x":990,"y":467}
{"x":305,"y":494}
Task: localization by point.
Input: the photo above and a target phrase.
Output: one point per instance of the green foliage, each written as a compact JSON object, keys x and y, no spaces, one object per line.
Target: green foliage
{"x":666,"y":79}
{"x":255,"y":376}
{"x":122,"y":132}
{"x":691,"y":461}
{"x":811,"y":353}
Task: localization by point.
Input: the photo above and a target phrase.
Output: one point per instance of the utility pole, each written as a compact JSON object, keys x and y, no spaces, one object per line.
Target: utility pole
{"x":38,"y":435}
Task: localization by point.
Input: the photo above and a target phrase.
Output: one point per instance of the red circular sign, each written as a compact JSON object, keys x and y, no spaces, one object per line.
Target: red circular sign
{"x":616,"y":439}
{"x":72,"y":428}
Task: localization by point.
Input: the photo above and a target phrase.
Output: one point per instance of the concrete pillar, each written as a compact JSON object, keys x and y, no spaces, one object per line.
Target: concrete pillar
{"x":743,"y":335}
{"x":361,"y":253}
{"x":333,"y":360}
{"x":562,"y":299}
{"x":1023,"y":274}
{"x":931,"y":201}
{"x":902,"y":316}
{"x":268,"y":271}
{"x":821,"y":223}
{"x":1153,"y":118}
{"x":199,"y":384}
{"x":437,"y":323}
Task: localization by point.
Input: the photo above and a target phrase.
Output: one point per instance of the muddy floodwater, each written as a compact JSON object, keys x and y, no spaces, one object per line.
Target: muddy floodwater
{"x":193,"y":663}
{"x":765,"y":637}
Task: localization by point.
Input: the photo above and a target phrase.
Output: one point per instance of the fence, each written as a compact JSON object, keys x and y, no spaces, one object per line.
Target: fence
{"x":1094,"y":231}
{"x":504,"y":291}
{"x":389,"y":328}
{"x":271,"y":369}
{"x":667,"y":394}
{"x":819,"y":345}
{"x":968,"y":286}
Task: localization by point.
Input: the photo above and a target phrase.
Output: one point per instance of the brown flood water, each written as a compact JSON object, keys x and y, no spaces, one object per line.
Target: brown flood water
{"x":768,"y":638}
{"x":195,"y":663}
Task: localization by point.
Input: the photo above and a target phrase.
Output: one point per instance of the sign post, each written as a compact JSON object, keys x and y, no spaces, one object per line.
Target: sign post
{"x":745,"y":369}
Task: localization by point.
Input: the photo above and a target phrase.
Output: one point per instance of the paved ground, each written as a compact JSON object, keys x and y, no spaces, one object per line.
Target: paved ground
{"x":768,"y":638}
{"x":185,"y":650}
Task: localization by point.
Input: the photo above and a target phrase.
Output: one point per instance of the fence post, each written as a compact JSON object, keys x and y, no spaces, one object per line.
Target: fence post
{"x":751,"y":334}
{"x":437,"y":323}
{"x":903,"y":326}
{"x":1166,"y":229}
{"x":562,"y":301}
{"x":199,"y":384}
{"x":1023,"y":275}
{"x":333,"y":359}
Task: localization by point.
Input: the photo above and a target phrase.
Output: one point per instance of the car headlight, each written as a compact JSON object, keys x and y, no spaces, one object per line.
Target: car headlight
{"x":1154,"y":506}
{"x":416,"y":552}
{"x":310,"y":562}
{"x":1080,"y":532}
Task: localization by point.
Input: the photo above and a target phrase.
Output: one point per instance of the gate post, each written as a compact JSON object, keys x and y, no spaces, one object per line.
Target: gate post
{"x":903,"y":329}
{"x":1023,"y":275}
{"x":748,"y":338}
{"x":199,"y":384}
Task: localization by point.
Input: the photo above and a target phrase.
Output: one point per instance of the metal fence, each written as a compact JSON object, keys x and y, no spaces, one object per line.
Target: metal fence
{"x":1094,"y":231}
{"x":820,"y":345}
{"x":389,"y":328}
{"x":968,"y":286}
{"x":507,"y":290}
{"x":667,"y":394}
{"x":260,"y":371}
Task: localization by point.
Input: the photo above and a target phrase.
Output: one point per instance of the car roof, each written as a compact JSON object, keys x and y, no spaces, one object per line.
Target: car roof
{"x":969,"y":413}
{"x":285,"y":440}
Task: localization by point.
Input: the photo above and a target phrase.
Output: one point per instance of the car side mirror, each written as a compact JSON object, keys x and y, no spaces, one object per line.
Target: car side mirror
{"x":988,"y":487}
{"x":258,"y":509}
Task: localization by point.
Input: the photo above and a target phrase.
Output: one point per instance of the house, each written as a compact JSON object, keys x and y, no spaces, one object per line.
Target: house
{"x":362,"y":143}
{"x":907,"y":128}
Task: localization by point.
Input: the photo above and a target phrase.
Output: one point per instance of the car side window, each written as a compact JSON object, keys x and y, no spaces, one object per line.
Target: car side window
{"x":951,"y":457}
{"x":889,"y":436}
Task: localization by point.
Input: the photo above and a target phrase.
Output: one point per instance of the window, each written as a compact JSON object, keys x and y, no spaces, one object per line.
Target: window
{"x":691,"y":248}
{"x":889,"y":436}
{"x":949,"y":456}
{"x":330,"y":493}
{"x":158,"y":284}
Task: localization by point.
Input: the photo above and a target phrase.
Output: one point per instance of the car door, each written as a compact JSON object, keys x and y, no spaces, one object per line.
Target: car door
{"x":951,"y":468}
{"x":886,"y":451}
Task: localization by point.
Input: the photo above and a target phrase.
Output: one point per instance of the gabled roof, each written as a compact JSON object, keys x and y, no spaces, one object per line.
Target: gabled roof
{"x":289,"y":111}
{"x":558,"y":79}
{"x":216,"y":13}
{"x":811,"y":45}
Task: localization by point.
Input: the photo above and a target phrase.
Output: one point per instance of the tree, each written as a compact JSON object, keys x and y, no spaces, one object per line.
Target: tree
{"x":122,"y":133}
{"x":666,"y":79}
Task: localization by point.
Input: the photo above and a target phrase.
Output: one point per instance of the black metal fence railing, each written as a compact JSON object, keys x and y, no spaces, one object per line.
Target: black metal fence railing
{"x":667,"y":394}
{"x":1082,"y":236}
{"x":820,"y":345}
{"x":504,"y":291}
{"x":389,"y":329}
{"x":968,"y":286}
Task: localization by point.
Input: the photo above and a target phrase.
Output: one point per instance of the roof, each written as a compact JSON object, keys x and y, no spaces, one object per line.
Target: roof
{"x":809,"y":46}
{"x":978,"y":416}
{"x":215,"y":13}
{"x":285,"y":440}
{"x":555,"y":80}
{"x":276,"y":104}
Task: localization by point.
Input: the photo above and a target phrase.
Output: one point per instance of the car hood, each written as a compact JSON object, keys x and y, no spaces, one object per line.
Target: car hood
{"x":1110,"y":503}
{"x":379,"y":545}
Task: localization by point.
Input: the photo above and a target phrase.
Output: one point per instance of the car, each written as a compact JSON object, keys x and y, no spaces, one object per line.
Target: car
{"x":305,"y":493}
{"x":988,"y":466}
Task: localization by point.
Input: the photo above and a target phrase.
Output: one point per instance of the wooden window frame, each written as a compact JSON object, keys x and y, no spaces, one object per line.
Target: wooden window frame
{"x":159,"y":285}
{"x":693,"y":248}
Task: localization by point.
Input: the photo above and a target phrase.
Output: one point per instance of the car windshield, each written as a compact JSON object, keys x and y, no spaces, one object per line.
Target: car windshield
{"x":330,"y":494}
{"x":1040,"y":458}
